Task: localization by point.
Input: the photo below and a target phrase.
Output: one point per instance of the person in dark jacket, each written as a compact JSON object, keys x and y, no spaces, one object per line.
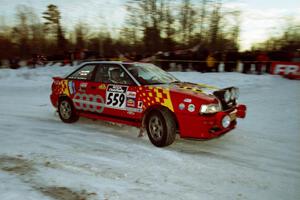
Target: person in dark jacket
{"x":14,"y":63}
{"x":261,"y":59}
{"x":247,"y":59}
{"x":231,"y":58}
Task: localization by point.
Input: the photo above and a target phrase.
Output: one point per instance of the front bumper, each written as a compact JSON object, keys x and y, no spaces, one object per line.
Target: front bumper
{"x":209,"y":126}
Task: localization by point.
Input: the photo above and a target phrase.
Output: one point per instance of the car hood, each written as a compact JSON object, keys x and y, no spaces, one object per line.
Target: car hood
{"x":197,"y":90}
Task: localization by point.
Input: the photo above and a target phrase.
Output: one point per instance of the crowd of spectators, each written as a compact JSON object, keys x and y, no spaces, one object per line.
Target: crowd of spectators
{"x":200,"y":60}
{"x":206,"y":61}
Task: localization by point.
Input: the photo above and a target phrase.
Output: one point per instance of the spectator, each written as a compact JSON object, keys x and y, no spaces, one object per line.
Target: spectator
{"x":247,"y":59}
{"x":210,"y":63}
{"x":231,"y":64}
{"x":261,"y":59}
{"x":296,"y":57}
{"x":218,"y":58}
{"x":14,"y":63}
{"x":203,"y":56}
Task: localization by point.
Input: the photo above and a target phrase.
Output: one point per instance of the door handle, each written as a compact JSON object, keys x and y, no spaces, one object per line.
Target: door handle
{"x":93,"y":87}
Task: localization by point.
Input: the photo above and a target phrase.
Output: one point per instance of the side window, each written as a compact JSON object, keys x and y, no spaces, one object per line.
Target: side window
{"x":111,"y":73}
{"x":127,"y":79}
{"x":85,"y":73}
{"x":102,"y":73}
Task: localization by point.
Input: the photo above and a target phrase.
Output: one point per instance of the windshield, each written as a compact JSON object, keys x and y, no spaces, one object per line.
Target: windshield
{"x":149,"y":74}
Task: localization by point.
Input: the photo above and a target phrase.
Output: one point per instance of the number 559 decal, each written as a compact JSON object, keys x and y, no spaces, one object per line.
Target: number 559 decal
{"x":116,"y":96}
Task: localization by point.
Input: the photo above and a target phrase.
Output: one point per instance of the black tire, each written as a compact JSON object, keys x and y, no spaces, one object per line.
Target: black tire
{"x":66,"y":111}
{"x":161,"y":127}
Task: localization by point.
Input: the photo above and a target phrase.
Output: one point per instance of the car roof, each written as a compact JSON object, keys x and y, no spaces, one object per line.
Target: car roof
{"x":111,"y":62}
{"x":105,"y":62}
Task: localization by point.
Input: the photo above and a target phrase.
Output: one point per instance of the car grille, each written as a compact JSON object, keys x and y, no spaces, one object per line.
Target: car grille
{"x":225,"y":105}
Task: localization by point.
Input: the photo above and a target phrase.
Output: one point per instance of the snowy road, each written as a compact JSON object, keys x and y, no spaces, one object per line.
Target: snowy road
{"x":43,"y":158}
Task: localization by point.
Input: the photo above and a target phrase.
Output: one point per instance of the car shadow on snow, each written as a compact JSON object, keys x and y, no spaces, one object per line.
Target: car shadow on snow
{"x":218,"y":148}
{"x":187,"y":146}
{"x":112,"y":130}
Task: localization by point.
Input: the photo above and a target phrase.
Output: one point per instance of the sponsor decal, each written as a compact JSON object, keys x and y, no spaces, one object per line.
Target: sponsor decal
{"x":181,"y":106}
{"x":102,"y":87}
{"x":140,"y":104}
{"x":187,"y":100}
{"x":116,"y":96}
{"x":285,"y":68}
{"x":84,"y":73}
{"x":191,"y":108}
{"x":130,"y":113}
{"x":131,"y":94}
{"x":72,"y":87}
{"x":198,"y":88}
{"x":155,"y":95}
{"x":139,"y":110}
{"x":63,"y":87}
{"x":92,"y":103}
{"x":82,"y":87}
{"x":130,"y":102}
{"x":117,"y":88}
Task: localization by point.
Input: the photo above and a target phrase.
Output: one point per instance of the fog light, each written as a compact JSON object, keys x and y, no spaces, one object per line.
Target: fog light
{"x":227,"y":96}
{"x":226,"y":121}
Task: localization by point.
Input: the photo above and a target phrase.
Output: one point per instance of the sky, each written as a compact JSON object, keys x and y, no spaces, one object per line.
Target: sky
{"x":259,"y":19}
{"x":263,"y":18}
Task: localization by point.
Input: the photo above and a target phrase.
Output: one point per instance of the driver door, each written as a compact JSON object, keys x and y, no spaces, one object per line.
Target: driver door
{"x":119,"y":95}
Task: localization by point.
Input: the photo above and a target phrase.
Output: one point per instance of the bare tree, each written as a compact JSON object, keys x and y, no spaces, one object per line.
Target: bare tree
{"x":131,"y":33}
{"x":81,"y":35}
{"x":215,"y":23}
{"x":168,"y":27}
{"x":187,"y":20}
{"x":146,"y":21}
{"x":7,"y":47}
{"x":21,"y":32}
{"x":202,"y":20}
{"x":288,"y":40}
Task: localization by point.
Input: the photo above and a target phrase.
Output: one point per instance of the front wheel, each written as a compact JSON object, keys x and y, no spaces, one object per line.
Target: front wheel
{"x":67,"y":112}
{"x":161,"y":127}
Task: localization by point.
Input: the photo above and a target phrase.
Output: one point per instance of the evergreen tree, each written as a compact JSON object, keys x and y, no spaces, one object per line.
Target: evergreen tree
{"x":53,"y":24}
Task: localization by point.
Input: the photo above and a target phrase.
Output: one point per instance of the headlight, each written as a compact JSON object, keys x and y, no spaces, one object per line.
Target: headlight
{"x":237,"y":93}
{"x":209,"y":108}
{"x":227,"y":96}
{"x":234,"y":93}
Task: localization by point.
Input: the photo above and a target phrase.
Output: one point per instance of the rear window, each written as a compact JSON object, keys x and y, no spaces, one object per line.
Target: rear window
{"x":84,"y":73}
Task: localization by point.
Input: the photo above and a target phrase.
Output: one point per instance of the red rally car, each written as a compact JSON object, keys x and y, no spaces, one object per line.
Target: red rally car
{"x":145,"y":96}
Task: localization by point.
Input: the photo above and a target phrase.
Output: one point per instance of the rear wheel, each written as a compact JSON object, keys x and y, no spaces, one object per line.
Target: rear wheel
{"x":67,"y":112}
{"x":161,"y":127}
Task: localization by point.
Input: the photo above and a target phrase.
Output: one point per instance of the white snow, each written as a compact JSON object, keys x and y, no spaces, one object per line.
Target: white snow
{"x":260,"y":159}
